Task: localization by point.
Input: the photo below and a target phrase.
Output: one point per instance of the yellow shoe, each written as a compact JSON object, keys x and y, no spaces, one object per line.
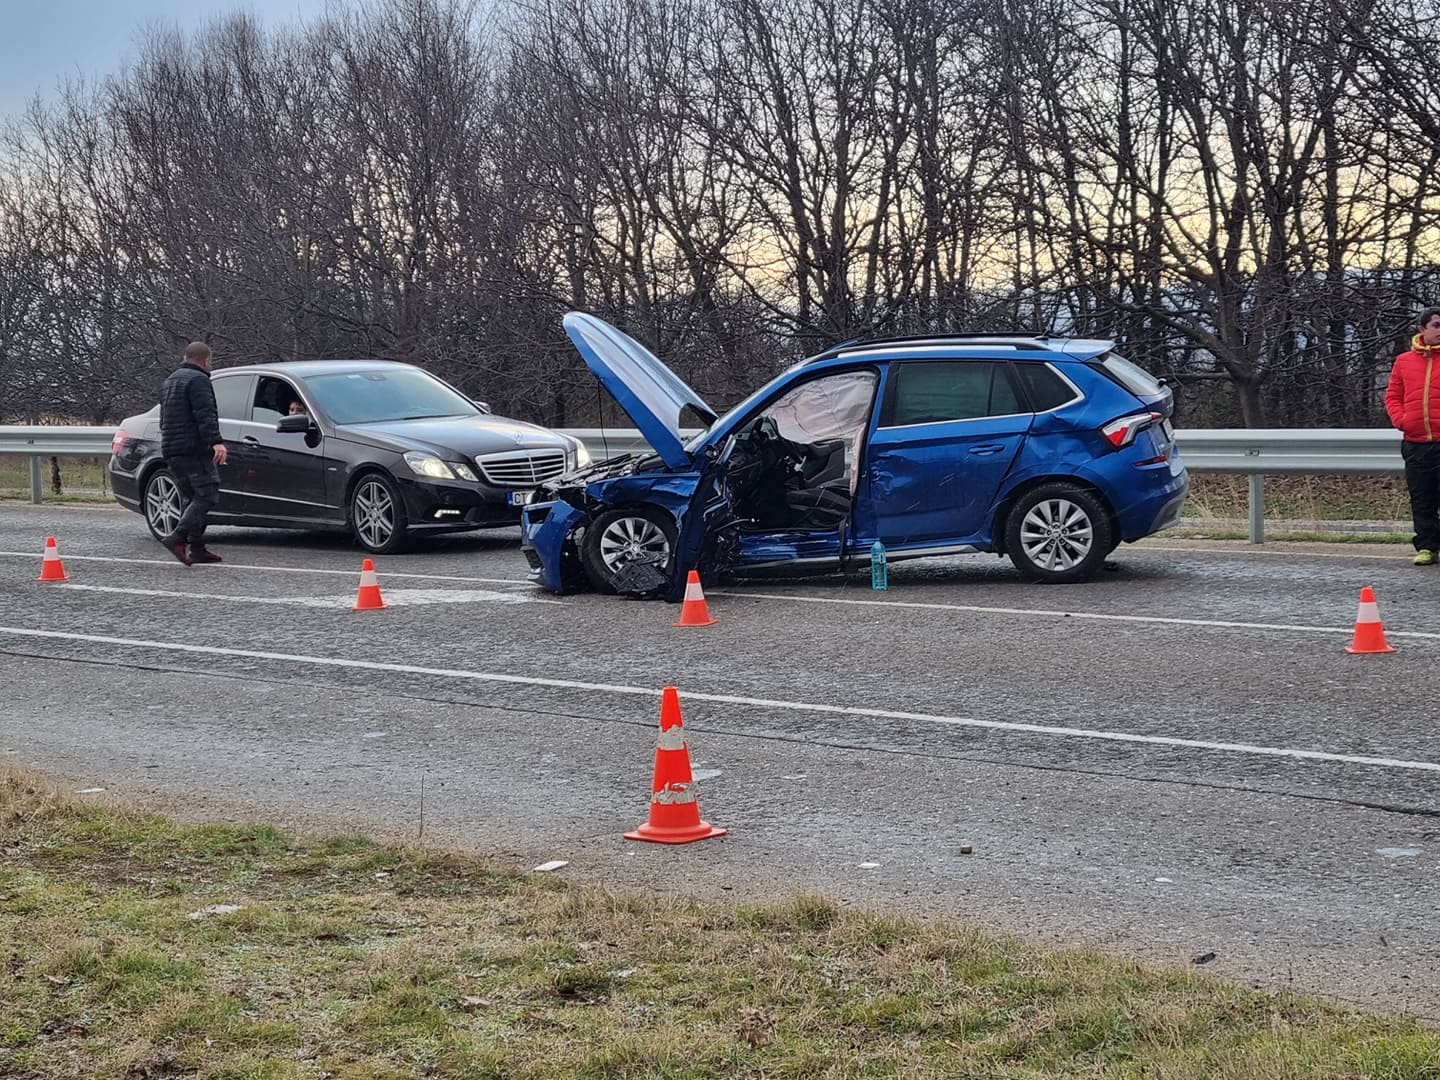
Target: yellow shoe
{"x":1424,"y":557}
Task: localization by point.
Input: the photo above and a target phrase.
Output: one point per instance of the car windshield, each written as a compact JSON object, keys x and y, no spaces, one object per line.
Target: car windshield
{"x":367,"y":397}
{"x":694,"y":441}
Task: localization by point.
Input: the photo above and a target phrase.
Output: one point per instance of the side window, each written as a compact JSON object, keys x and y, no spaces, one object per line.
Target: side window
{"x":232,"y":396}
{"x":934,"y":391}
{"x":1047,"y":390}
{"x":1005,"y":398}
{"x":272,"y":399}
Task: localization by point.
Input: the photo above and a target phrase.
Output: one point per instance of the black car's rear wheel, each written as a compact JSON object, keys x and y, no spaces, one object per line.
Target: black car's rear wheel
{"x":377,"y":515}
{"x":163,"y":504}
{"x":621,"y":537}
{"x":1058,"y":533}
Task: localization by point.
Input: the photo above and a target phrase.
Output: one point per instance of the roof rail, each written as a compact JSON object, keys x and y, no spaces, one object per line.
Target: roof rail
{"x":1014,"y":340}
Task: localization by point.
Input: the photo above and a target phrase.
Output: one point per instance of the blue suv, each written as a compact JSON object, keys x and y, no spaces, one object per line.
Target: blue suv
{"x":1051,"y":451}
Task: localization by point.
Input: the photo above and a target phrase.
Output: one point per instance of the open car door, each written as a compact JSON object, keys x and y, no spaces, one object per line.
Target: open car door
{"x":781,"y":489}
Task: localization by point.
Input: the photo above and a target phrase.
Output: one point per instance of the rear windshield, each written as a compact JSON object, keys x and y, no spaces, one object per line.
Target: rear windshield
{"x":1131,"y":376}
{"x":364,"y":397}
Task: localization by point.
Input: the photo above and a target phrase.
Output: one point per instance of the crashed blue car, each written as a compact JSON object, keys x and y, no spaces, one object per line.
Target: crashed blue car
{"x":1051,"y":451}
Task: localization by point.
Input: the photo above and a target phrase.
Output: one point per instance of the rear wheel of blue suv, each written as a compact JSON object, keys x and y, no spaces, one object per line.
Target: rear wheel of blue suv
{"x":1058,"y":533}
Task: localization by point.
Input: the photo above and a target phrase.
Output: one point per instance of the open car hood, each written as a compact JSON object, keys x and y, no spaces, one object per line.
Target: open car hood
{"x":646,"y":389}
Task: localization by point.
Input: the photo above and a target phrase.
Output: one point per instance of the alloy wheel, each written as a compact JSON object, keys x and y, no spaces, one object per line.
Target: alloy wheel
{"x":163,"y":507}
{"x":374,"y":514}
{"x":628,"y":539}
{"x":1057,"y":534}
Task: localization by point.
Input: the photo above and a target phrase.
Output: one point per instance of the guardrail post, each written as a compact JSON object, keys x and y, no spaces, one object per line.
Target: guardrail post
{"x":35,"y":491}
{"x":1257,"y":508}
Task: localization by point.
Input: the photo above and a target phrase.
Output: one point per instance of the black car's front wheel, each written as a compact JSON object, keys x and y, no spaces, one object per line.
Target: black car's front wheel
{"x":619,"y":538}
{"x":163,"y":503}
{"x":1058,"y":533}
{"x":377,"y":515}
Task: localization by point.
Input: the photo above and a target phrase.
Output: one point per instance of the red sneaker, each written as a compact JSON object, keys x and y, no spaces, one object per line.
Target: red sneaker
{"x":176,"y":547}
{"x":203,"y":555}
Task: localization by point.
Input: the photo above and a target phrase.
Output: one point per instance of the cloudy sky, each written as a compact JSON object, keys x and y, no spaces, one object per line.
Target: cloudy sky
{"x":45,"y":41}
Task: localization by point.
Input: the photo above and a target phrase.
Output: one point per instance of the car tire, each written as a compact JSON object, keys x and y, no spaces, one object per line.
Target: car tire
{"x":162,"y":503}
{"x":1059,"y":534}
{"x":617,"y":538}
{"x":377,"y":515}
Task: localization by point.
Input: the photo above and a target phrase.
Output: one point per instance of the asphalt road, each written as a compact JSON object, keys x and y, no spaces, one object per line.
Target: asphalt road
{"x":1174,"y":760}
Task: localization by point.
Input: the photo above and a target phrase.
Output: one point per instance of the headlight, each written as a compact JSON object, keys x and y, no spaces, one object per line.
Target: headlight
{"x":464,"y":471}
{"x":428,"y":465}
{"x":582,"y":456}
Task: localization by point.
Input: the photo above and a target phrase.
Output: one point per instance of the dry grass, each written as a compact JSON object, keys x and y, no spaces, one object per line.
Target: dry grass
{"x":349,"y":959}
{"x":81,"y":478}
{"x":1304,"y":498}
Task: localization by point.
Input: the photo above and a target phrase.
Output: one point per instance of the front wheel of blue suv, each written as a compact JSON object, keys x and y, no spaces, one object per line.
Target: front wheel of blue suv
{"x":1058,"y":533}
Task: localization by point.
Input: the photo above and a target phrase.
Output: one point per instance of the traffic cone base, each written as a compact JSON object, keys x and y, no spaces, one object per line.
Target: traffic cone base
{"x":368,"y":598}
{"x":52,"y":569}
{"x":680,"y":834}
{"x":1369,"y":631}
{"x":674,"y":809}
{"x":694,"y":612}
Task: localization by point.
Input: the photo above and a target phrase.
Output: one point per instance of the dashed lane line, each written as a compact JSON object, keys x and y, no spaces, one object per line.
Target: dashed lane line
{"x":393,"y":597}
{"x":275,"y":569}
{"x":1224,"y":624}
{"x":1095,"y":734}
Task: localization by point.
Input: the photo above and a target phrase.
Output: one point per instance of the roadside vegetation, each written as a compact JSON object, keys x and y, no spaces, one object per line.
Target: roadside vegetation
{"x":72,"y":479}
{"x":1381,"y":498}
{"x":134,"y":947}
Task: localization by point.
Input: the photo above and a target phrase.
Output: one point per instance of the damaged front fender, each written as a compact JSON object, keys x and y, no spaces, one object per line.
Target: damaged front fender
{"x":553,"y":532}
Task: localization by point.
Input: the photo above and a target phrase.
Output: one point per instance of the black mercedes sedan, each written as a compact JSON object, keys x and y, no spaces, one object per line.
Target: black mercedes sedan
{"x":382,"y":449}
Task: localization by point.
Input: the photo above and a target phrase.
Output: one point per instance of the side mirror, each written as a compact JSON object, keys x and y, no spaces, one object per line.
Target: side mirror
{"x":295,"y":425}
{"x":483,"y":406}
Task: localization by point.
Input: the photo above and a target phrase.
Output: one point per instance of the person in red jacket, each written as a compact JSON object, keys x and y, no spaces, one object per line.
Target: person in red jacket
{"x":1413,"y":401}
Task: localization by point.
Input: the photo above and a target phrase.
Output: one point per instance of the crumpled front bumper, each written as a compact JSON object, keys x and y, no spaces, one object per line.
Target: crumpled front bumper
{"x":547,"y":544}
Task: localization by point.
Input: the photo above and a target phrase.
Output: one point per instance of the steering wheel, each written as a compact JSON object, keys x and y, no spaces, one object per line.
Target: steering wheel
{"x":765,"y":430}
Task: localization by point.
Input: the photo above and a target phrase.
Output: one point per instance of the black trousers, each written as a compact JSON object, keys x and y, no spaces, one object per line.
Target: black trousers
{"x":199,"y":482}
{"x":1422,"y":477}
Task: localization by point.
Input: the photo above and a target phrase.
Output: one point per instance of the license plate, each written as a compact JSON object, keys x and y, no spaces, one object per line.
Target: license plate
{"x":520,"y":498}
{"x":1169,"y":430}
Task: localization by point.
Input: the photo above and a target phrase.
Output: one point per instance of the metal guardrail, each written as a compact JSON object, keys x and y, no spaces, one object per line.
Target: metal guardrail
{"x":1261,"y":451}
{"x":44,"y":441}
{"x":1255,"y":452}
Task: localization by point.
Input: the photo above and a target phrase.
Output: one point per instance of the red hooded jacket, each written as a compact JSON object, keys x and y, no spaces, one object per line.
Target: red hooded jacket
{"x":1413,"y":397}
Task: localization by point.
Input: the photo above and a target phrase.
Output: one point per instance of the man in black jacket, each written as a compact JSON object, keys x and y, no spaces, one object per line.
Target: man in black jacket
{"x":191,"y":445}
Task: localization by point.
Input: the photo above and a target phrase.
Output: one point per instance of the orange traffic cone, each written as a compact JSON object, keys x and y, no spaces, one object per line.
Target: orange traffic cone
{"x":694,"y":611}
{"x":368,"y":599}
{"x":52,"y":569}
{"x":1369,"y":632}
{"x":674,"y":811}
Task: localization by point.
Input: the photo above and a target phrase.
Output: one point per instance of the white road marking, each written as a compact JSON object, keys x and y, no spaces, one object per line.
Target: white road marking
{"x":978,"y":609}
{"x":1106,"y":616}
{"x":392,"y":597}
{"x":731,"y":699}
{"x":384,"y":573}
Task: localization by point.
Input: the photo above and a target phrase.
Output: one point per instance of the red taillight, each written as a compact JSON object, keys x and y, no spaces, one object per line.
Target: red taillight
{"x":118,"y":441}
{"x":1122,"y":432}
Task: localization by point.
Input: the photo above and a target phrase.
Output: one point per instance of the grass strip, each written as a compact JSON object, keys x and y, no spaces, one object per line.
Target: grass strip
{"x":133,"y":947}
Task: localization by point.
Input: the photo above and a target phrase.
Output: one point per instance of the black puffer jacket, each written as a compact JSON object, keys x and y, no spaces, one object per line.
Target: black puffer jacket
{"x":189,"y":420}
